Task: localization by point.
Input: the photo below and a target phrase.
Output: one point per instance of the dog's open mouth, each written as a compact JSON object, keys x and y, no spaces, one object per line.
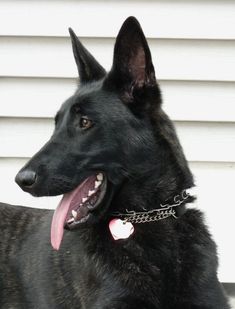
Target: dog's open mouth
{"x":76,"y":206}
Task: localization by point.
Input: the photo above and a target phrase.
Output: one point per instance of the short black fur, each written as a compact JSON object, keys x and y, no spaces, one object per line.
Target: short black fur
{"x":169,"y":264}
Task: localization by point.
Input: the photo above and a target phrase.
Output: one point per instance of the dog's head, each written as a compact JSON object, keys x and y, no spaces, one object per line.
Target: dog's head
{"x":111,"y":132}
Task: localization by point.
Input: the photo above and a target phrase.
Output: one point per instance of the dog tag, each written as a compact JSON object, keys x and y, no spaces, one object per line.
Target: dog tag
{"x":120,"y":229}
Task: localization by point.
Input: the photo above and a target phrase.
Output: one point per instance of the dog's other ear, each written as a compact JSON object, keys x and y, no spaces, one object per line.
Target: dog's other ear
{"x":88,"y":68}
{"x":132,"y":71}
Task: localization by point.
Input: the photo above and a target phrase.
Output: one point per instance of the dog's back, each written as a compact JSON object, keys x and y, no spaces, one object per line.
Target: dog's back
{"x":16,"y":226}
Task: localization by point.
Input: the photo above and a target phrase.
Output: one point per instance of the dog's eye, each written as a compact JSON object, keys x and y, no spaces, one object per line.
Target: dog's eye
{"x":85,"y":123}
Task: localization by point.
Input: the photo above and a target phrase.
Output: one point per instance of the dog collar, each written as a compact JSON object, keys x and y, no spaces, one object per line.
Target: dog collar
{"x":123,"y":228}
{"x":165,"y":211}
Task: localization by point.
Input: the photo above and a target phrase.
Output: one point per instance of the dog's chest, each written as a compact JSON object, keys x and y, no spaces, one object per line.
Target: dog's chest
{"x":115,"y":272}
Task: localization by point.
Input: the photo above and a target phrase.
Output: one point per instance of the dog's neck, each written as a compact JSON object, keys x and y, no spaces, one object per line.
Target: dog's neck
{"x":148,"y":193}
{"x":171,"y":208}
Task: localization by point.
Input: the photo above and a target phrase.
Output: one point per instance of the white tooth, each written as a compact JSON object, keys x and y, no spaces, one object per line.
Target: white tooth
{"x":100,"y":177}
{"x":97,"y":184}
{"x":84,"y":199}
{"x":74,"y":213}
{"x":91,"y":192}
{"x":70,"y":220}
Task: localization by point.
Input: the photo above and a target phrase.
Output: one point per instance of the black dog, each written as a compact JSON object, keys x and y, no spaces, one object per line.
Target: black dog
{"x":128,"y":239}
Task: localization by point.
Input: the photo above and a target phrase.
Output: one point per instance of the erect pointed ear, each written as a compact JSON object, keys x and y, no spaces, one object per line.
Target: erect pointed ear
{"x":132,"y":69}
{"x":88,"y":68}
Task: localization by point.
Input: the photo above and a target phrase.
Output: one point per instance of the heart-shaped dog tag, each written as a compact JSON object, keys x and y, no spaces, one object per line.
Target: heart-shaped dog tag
{"x":120,"y":229}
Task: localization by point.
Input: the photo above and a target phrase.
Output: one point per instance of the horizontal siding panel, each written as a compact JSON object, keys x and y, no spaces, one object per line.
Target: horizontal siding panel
{"x":174,"y":59}
{"x":34,"y":97}
{"x":162,"y":19}
{"x":199,"y":101}
{"x":23,"y":137}
{"x":205,"y":173}
{"x":202,"y":141}
{"x":183,"y":100}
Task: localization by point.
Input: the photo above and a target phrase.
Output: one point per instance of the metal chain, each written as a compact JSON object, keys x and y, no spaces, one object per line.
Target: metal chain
{"x":145,"y":217}
{"x":166,"y":210}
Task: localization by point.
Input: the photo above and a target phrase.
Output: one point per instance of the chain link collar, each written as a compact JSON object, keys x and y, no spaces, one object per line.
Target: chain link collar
{"x":166,"y":210}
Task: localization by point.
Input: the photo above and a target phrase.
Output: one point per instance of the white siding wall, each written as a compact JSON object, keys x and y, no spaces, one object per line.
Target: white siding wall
{"x":193,"y":47}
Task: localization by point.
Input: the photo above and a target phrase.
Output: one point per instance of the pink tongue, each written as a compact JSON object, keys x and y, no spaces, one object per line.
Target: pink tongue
{"x":58,"y":220}
{"x":67,"y":203}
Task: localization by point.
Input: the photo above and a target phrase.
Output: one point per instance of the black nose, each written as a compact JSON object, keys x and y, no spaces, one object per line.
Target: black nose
{"x":26,"y":178}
